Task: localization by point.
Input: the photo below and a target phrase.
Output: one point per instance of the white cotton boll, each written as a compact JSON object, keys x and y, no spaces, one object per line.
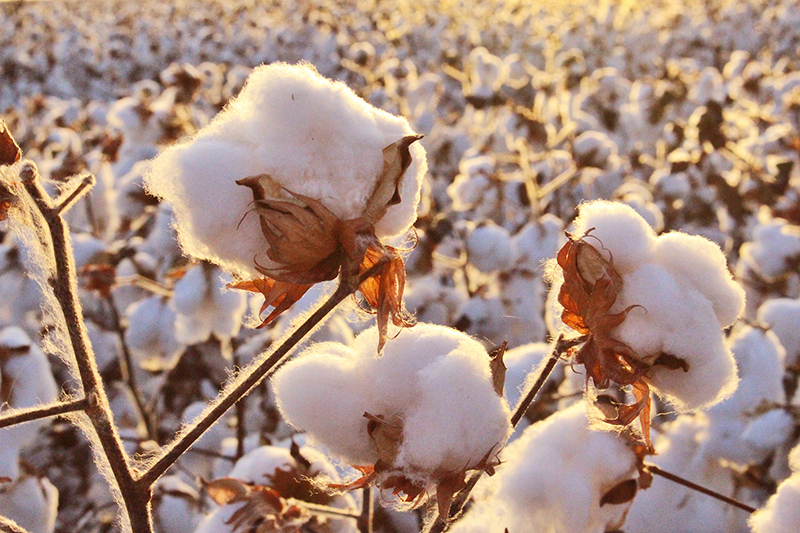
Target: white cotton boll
{"x":189,"y":292}
{"x":32,"y":503}
{"x":666,"y":507}
{"x":552,"y":479}
{"x":27,"y":381}
{"x":622,"y":231}
{"x":675,"y":185}
{"x":313,"y":136}
{"x":774,"y":242}
{"x":85,"y":248}
{"x":306,"y":384}
{"x":781,"y":514}
{"x":769,"y":430}
{"x":520,"y":362}
{"x":176,"y":505}
{"x":151,"y":333}
{"x":537,"y":242}
{"x":433,"y":303}
{"x":593,"y":149}
{"x":701,"y":263}
{"x":435,"y":379}
{"x":782,"y":315}
{"x":195,"y":463}
{"x":489,"y":248}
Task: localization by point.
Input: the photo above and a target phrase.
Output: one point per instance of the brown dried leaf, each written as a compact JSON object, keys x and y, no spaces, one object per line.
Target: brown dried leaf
{"x":98,"y":277}
{"x":396,"y":160}
{"x":4,"y":479}
{"x":9,"y":149}
{"x":369,"y":475}
{"x":446,"y":489}
{"x":498,"y":368}
{"x":388,"y":436}
{"x":227,"y":490}
{"x":277,"y":294}
{"x":8,"y":199}
{"x":384,"y":290}
{"x":622,"y":492}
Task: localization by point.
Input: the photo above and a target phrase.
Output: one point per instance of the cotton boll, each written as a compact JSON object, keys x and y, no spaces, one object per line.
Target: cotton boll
{"x":521,"y":363}
{"x":32,"y":503}
{"x":774,"y":243}
{"x":151,"y":333}
{"x":310,"y":135}
{"x":537,"y":242}
{"x":26,"y":382}
{"x":782,"y":316}
{"x":553,"y":478}
{"x":781,"y":514}
{"x":626,"y":235}
{"x":489,"y":248}
{"x":176,"y":505}
{"x":335,"y":374}
{"x":197,"y":464}
{"x":432,"y":380}
{"x":769,"y":430}
{"x":700,"y":262}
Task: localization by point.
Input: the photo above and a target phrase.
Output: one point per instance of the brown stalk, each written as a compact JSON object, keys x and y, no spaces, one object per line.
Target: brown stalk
{"x":136,"y":498}
{"x":39,"y":412}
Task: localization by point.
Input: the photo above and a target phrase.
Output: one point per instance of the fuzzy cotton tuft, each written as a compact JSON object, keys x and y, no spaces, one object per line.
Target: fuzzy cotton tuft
{"x":312,"y":136}
{"x":781,"y":514}
{"x":432,"y":381}
{"x":553,"y":479}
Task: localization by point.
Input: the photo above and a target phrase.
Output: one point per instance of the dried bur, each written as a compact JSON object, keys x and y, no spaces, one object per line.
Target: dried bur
{"x":589,"y":291}
{"x":309,"y":244}
{"x":387,"y":474}
{"x":277,"y":506}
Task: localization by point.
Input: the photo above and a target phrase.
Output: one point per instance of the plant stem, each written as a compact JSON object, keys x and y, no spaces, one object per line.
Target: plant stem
{"x":241,"y":412}
{"x":37,"y":413}
{"x":136,"y":498}
{"x":366,"y":518}
{"x":441,"y":524}
{"x":252,"y":377}
{"x":653,"y":469}
{"x":128,"y":371}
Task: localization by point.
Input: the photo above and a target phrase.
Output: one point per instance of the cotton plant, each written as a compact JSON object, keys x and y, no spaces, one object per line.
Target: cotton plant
{"x":651,"y":309}
{"x":312,"y":179}
{"x":559,"y":475}
{"x":412,"y":421}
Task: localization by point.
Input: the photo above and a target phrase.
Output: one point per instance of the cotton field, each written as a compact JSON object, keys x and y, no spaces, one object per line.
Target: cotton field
{"x":349,"y":266}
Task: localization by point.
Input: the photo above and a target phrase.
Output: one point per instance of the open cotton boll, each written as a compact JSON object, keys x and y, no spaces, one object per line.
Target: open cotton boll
{"x":625,"y":234}
{"x":781,"y":514}
{"x":26,"y":382}
{"x":782,"y":315}
{"x":432,"y":382}
{"x":698,"y":261}
{"x":312,"y":136}
{"x":553,"y":479}
{"x":489,"y":247}
{"x":774,"y":243}
{"x":32,"y":503}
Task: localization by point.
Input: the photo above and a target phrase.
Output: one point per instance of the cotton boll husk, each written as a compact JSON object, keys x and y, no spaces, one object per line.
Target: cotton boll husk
{"x":552,"y":479}
{"x":313,"y":136}
{"x":782,"y":315}
{"x":701,"y":263}
{"x":32,"y":503}
{"x":625,"y":234}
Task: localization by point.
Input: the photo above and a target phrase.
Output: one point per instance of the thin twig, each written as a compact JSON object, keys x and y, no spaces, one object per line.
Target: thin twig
{"x":83,"y":187}
{"x":253,"y":376}
{"x":367,"y":515}
{"x":557,"y":182}
{"x":65,"y":290}
{"x":653,"y":469}
{"x":325,"y":510}
{"x":9,"y":526}
{"x":241,"y":412}
{"x":440,"y":525}
{"x":128,"y":370}
{"x":21,"y":416}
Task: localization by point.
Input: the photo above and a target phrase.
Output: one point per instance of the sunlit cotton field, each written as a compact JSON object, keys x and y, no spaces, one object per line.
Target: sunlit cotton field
{"x":399,"y":267}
